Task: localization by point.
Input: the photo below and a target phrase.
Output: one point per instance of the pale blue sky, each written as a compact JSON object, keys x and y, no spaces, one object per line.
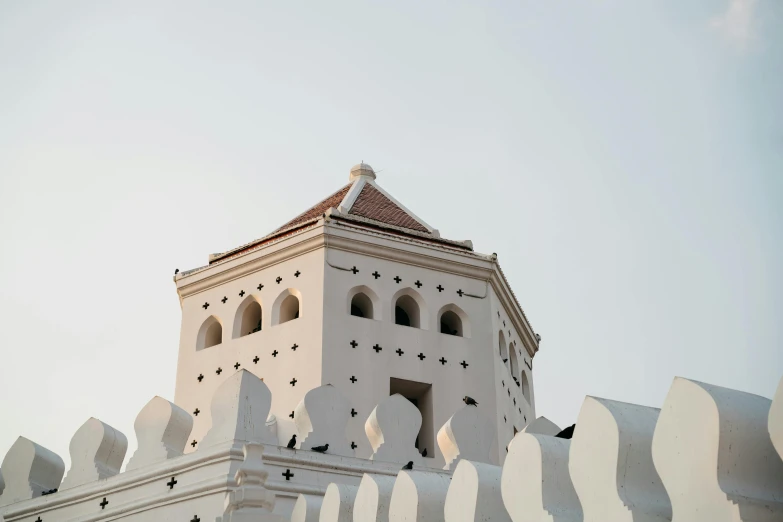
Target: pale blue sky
{"x":624,"y":159}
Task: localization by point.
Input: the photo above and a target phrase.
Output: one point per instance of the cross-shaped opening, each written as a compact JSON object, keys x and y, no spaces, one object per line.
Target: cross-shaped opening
{"x":171,"y":483}
{"x":355,"y":270}
{"x":293,"y":382}
{"x":287,"y":474}
{"x":260,"y":287}
{"x":377,"y":348}
{"x":397,"y":279}
{"x":104,"y":503}
{"x":376,"y":275}
{"x":353,"y":379}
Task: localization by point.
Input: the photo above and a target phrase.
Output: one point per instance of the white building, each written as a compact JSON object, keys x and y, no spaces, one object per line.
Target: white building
{"x":360,"y":293}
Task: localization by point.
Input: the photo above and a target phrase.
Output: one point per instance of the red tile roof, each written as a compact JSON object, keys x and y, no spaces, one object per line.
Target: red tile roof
{"x":318,"y":209}
{"x":372,"y":204}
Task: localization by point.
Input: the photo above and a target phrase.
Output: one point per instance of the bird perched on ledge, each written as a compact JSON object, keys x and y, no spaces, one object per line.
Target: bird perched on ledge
{"x":320,"y":449}
{"x":469,"y":401}
{"x":292,"y":442}
{"x":409,"y":465}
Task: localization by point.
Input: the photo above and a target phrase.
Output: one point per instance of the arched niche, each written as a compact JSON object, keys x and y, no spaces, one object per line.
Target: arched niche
{"x":525,"y":387}
{"x":502,"y":348}
{"x":210,"y":333}
{"x":287,"y":306}
{"x":363,"y":302}
{"x":514,"y":361}
{"x":248,"y":318}
{"x":452,"y":320}
{"x":409,"y":309}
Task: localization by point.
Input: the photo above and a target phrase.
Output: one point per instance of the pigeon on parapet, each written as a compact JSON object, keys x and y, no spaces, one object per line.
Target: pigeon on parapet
{"x":292,"y":442}
{"x":320,"y":449}
{"x":469,"y":401}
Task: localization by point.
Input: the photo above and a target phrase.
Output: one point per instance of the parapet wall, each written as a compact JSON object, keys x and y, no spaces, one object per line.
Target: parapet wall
{"x":709,"y":454}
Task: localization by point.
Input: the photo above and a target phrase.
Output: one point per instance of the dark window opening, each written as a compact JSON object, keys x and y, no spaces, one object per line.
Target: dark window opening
{"x":420,"y":395}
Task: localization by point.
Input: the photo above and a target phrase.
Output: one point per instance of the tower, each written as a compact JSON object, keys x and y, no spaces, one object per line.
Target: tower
{"x":360,"y":293}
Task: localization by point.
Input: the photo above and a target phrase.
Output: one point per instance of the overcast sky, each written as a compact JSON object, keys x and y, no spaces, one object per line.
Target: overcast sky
{"x":624,"y":160}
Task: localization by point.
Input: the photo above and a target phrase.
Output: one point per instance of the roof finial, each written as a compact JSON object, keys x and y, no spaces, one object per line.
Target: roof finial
{"x":362,"y":169}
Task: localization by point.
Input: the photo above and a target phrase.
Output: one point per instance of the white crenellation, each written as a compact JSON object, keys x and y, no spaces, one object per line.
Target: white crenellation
{"x":321,"y":418}
{"x":536,"y":484}
{"x":373,"y":498}
{"x":97,"y":452}
{"x":713,"y":452}
{"x":240,"y":408}
{"x":29,"y":470}
{"x":776,"y":420}
{"x":250,"y":501}
{"x":468,"y":434}
{"x":162,"y":430}
{"x":392,"y":428}
{"x":419,"y":496}
{"x":307,"y":508}
{"x":338,"y":502}
{"x":474,"y":494}
{"x":611,"y":463}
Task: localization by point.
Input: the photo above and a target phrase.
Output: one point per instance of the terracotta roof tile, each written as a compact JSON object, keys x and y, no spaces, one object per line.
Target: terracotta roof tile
{"x":318,"y":209}
{"x":372,"y":204}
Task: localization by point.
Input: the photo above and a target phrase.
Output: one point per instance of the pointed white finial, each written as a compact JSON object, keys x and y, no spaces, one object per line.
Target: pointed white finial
{"x":362,"y":169}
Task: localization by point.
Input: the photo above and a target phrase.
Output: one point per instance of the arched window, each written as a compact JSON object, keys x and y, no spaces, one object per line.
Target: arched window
{"x":289,"y":309}
{"x":525,"y":387}
{"x":210,"y":333}
{"x":502,"y":351}
{"x":287,"y":306}
{"x":452,"y":320}
{"x":513,"y":359}
{"x":361,"y":306}
{"x":248,"y":317}
{"x":406,"y":311}
{"x":450,"y":324}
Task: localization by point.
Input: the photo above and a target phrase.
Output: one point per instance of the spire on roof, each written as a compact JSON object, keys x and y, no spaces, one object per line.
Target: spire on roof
{"x":362,"y":169}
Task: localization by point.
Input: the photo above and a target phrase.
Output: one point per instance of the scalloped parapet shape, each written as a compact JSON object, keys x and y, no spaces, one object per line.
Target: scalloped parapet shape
{"x":474,"y":494}
{"x":97,"y":451}
{"x":307,"y":508}
{"x":373,"y":498}
{"x":536,"y":485}
{"x":29,"y":469}
{"x":392,"y":428}
{"x":419,"y":496}
{"x":468,"y":434}
{"x":775,"y":421}
{"x":322,"y":417}
{"x":240,"y":409}
{"x":162,"y":430}
{"x":250,"y":501}
{"x":713,"y":452}
{"x":542,"y":426}
{"x":611,"y":463}
{"x":337,"y":505}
